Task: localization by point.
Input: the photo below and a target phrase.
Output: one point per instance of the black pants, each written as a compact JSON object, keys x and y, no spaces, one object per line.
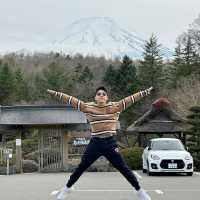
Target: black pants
{"x":103,"y":147}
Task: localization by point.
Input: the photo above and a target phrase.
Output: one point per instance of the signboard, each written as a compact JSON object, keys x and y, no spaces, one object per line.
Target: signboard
{"x":18,"y":142}
{"x":7,"y":153}
{"x":80,"y":141}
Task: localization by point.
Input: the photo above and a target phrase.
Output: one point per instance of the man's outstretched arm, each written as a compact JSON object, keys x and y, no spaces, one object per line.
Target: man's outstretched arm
{"x":74,"y":102}
{"x":127,"y":101}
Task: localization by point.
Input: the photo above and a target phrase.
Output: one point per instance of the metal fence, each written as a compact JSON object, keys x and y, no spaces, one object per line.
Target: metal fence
{"x":50,"y":149}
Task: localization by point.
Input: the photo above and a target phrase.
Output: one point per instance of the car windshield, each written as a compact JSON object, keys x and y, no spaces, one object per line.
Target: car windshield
{"x":167,"y":145}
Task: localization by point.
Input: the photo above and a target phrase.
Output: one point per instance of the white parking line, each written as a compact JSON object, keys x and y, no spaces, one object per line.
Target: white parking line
{"x":182,"y":190}
{"x":159,"y":191}
{"x":105,"y":190}
{"x":138,"y":175}
{"x":55,"y":192}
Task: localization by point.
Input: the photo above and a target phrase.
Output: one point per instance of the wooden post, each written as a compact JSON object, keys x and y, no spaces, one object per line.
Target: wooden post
{"x":139,"y":140}
{"x":8,"y":166}
{"x":66,"y":138}
{"x":142,"y":140}
{"x":18,"y":153}
{"x":40,"y":150}
{"x":184,"y":138}
{"x":179,"y":136}
{"x":2,"y":145}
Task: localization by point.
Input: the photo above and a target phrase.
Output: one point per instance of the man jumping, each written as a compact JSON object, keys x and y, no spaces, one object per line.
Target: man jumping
{"x":102,"y":116}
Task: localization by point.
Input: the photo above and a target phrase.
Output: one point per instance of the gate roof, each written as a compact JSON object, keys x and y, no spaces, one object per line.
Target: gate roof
{"x":40,"y":115}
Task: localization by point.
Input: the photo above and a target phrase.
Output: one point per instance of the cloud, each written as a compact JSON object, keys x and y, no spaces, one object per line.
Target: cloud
{"x":167,"y":19}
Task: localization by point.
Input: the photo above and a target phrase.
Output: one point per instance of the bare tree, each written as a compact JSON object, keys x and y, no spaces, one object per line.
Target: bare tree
{"x":186,"y":95}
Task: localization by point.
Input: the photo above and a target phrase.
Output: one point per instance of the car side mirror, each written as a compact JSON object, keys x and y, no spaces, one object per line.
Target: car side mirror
{"x":148,"y":148}
{"x":187,"y":148}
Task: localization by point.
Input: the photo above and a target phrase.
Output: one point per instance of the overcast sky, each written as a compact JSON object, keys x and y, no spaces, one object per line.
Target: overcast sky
{"x":32,"y":21}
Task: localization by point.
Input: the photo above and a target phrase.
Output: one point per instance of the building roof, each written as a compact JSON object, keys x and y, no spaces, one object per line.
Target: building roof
{"x":158,"y":120}
{"x":40,"y":115}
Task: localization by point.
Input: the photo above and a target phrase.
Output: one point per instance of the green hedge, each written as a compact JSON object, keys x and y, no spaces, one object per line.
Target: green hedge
{"x":195,"y":151}
{"x":133,"y":157}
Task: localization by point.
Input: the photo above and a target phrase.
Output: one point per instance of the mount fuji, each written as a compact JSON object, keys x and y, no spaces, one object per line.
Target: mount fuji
{"x":95,"y":36}
{"x":101,"y":36}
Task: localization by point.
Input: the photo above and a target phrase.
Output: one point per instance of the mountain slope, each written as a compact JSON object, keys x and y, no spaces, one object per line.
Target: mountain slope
{"x":100,"y":36}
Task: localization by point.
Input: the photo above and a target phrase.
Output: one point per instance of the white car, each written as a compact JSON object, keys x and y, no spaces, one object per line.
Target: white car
{"x":166,"y":155}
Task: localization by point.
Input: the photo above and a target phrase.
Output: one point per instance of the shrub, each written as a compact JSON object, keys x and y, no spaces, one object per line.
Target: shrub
{"x":29,"y":166}
{"x":133,"y":157}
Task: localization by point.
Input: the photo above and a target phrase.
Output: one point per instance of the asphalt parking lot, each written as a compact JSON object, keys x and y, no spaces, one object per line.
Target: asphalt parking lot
{"x":99,"y":186}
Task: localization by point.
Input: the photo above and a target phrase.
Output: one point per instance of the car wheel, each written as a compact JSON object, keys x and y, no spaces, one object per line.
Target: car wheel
{"x":189,"y":173}
{"x":144,"y":171}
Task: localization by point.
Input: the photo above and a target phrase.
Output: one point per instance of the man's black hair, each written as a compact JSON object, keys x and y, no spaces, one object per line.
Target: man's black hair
{"x":102,"y":88}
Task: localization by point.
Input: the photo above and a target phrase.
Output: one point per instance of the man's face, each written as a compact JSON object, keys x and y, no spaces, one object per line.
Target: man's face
{"x":101,"y":96}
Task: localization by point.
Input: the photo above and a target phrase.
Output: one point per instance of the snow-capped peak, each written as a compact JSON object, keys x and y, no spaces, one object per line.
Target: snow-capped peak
{"x":99,"y":36}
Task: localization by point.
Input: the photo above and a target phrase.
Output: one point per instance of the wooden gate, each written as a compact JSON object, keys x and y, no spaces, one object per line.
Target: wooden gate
{"x":50,"y":149}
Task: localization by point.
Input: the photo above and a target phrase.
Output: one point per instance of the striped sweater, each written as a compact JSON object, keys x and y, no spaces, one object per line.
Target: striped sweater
{"x":103,"y":119}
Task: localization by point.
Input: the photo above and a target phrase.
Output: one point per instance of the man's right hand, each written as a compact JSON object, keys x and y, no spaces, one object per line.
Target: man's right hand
{"x":149,"y":90}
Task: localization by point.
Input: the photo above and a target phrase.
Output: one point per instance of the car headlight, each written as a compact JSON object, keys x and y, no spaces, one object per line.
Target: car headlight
{"x":188,"y":157}
{"x":155,"y":157}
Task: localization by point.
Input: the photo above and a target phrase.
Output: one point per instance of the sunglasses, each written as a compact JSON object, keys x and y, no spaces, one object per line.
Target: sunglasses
{"x":101,"y":94}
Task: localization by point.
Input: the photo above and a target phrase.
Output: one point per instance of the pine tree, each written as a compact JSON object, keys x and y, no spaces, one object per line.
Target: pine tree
{"x":6,"y":84}
{"x":39,"y":87}
{"x":169,"y":76}
{"x":122,"y":81}
{"x":186,"y":56}
{"x":86,"y":75}
{"x":150,"y":69}
{"x":55,"y":77}
{"x":194,"y":121}
{"x":21,"y":87}
{"x":110,"y":79}
{"x":188,"y":51}
{"x":77,"y":72}
{"x":127,"y":79}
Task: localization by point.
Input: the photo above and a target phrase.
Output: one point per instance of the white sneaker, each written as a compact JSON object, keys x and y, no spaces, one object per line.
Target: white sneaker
{"x":63,"y":192}
{"x":143,"y":195}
